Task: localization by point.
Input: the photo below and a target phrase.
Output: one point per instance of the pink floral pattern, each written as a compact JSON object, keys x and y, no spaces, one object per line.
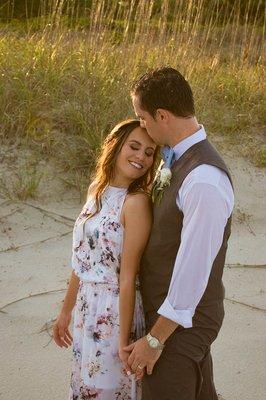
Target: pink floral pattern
{"x":97,"y":372}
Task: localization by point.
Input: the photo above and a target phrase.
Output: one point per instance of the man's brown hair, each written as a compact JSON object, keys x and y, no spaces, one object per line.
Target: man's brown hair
{"x":164,"y":88}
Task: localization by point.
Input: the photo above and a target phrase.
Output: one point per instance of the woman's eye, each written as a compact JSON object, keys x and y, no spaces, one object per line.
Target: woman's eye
{"x":149,"y":154}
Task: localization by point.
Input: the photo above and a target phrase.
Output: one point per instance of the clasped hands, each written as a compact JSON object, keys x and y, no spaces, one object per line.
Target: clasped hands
{"x":139,"y":357}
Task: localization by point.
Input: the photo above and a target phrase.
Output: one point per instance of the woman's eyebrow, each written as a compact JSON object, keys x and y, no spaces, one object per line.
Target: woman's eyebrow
{"x":135,"y":141}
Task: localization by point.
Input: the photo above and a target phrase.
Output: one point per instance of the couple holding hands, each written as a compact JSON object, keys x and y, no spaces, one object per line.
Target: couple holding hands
{"x":148,"y":255}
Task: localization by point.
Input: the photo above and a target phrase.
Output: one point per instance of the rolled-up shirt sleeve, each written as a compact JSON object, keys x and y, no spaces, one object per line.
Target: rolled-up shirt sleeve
{"x":206,"y":212}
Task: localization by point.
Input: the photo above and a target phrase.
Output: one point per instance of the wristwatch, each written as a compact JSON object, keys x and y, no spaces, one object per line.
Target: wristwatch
{"x":154,"y":342}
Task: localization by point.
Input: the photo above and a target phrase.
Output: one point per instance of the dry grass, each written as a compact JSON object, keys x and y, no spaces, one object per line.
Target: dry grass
{"x":65,"y":79}
{"x":21,"y":184}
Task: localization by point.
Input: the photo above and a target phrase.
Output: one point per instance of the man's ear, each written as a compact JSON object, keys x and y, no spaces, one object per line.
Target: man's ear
{"x":161,"y":114}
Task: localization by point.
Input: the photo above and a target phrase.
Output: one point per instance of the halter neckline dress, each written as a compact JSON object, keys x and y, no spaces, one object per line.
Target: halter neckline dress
{"x":97,"y":372}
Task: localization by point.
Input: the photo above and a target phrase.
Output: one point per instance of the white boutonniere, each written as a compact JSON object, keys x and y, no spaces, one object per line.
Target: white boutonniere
{"x":162,"y":180}
{"x":163,"y":177}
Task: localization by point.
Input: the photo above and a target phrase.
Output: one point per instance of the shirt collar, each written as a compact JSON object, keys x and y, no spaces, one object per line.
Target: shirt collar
{"x":181,"y":147}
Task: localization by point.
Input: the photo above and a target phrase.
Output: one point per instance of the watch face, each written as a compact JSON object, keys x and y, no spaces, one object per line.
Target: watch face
{"x":153,"y":343}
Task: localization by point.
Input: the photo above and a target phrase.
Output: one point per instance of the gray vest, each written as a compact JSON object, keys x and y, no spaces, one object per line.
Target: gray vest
{"x":159,"y":257}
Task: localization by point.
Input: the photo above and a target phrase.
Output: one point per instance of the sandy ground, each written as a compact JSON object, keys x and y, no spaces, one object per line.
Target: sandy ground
{"x":35,"y":250}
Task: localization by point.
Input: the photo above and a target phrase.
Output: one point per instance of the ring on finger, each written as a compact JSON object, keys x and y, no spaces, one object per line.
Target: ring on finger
{"x":139,"y":366}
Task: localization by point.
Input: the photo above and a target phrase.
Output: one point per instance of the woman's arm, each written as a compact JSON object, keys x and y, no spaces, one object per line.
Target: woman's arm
{"x":61,"y":334}
{"x":137,"y":222}
{"x":71,"y":295}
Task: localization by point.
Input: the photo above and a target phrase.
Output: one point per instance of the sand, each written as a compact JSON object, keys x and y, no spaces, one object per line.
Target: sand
{"x":35,"y":250}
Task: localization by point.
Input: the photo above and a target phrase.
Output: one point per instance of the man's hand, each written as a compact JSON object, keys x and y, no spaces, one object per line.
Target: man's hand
{"x":123,"y":355}
{"x":142,"y":355}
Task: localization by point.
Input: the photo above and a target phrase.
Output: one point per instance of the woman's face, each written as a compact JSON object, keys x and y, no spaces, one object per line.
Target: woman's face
{"x":136,"y":155}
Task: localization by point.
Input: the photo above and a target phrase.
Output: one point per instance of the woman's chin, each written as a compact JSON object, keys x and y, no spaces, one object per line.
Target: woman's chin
{"x":133,"y":174}
{"x":136,"y":176}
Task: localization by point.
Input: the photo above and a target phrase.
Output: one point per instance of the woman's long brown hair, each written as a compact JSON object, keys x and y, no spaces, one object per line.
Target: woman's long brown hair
{"x":105,"y":167}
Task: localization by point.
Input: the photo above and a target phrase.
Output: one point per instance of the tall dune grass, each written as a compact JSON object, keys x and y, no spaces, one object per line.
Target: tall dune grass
{"x":65,"y":75}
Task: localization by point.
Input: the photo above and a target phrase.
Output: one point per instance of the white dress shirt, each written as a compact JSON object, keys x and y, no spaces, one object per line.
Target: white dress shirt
{"x":206,"y":200}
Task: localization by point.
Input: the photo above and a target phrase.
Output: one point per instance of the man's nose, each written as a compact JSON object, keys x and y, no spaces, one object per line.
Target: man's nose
{"x":142,"y":123}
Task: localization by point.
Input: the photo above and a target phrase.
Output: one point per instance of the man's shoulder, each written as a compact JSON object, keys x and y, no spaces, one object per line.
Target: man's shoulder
{"x":205,"y":173}
{"x":208,"y":182}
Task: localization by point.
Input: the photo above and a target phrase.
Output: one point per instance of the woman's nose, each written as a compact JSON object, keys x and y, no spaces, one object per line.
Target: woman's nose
{"x":141,"y":155}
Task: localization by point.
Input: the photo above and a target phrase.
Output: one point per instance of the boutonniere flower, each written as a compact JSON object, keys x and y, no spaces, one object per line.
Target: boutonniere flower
{"x":163,"y":176}
{"x":161,"y":182}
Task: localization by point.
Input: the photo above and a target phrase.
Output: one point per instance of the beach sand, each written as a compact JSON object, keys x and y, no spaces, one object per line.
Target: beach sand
{"x":35,"y":251}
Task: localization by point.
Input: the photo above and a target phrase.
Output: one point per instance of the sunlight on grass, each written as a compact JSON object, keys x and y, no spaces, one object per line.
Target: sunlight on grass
{"x":65,"y":76}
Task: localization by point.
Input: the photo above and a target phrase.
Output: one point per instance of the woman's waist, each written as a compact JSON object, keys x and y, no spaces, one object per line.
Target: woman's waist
{"x":103,"y":283}
{"x":91,"y":282}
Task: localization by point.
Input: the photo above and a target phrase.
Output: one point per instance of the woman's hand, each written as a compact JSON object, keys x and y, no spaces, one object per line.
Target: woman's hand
{"x":61,"y":334}
{"x":123,"y":355}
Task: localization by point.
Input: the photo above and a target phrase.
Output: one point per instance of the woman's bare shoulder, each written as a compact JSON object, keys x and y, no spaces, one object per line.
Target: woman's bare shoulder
{"x":138,"y":199}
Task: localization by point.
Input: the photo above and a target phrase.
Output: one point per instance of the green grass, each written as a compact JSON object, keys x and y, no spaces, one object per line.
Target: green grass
{"x":62,"y":89}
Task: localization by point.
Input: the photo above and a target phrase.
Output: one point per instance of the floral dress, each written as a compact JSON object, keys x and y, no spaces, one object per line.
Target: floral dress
{"x":97,"y":372}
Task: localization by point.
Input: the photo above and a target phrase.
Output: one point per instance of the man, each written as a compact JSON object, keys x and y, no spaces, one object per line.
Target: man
{"x":182,"y":266}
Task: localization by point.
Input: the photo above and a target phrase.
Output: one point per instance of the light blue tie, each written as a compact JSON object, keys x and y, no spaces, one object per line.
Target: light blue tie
{"x":168,"y":156}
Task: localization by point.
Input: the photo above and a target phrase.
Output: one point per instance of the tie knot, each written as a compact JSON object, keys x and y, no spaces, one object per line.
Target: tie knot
{"x":168,"y":156}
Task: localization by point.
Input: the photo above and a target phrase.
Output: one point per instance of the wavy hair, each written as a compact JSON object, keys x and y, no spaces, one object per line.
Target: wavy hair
{"x":105,"y":166}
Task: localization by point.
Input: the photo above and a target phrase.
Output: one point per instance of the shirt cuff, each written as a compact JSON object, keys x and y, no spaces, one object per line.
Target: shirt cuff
{"x":181,"y":317}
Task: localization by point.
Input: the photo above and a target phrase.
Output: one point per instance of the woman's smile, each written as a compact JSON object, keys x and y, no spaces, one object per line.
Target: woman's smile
{"x":136,"y":164}
{"x":135,"y":157}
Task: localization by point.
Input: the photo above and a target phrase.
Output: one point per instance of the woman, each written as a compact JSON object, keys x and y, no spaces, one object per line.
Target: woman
{"x":108,"y":240}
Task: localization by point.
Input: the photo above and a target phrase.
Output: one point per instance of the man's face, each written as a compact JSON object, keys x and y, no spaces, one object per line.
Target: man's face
{"x":152,"y":125}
